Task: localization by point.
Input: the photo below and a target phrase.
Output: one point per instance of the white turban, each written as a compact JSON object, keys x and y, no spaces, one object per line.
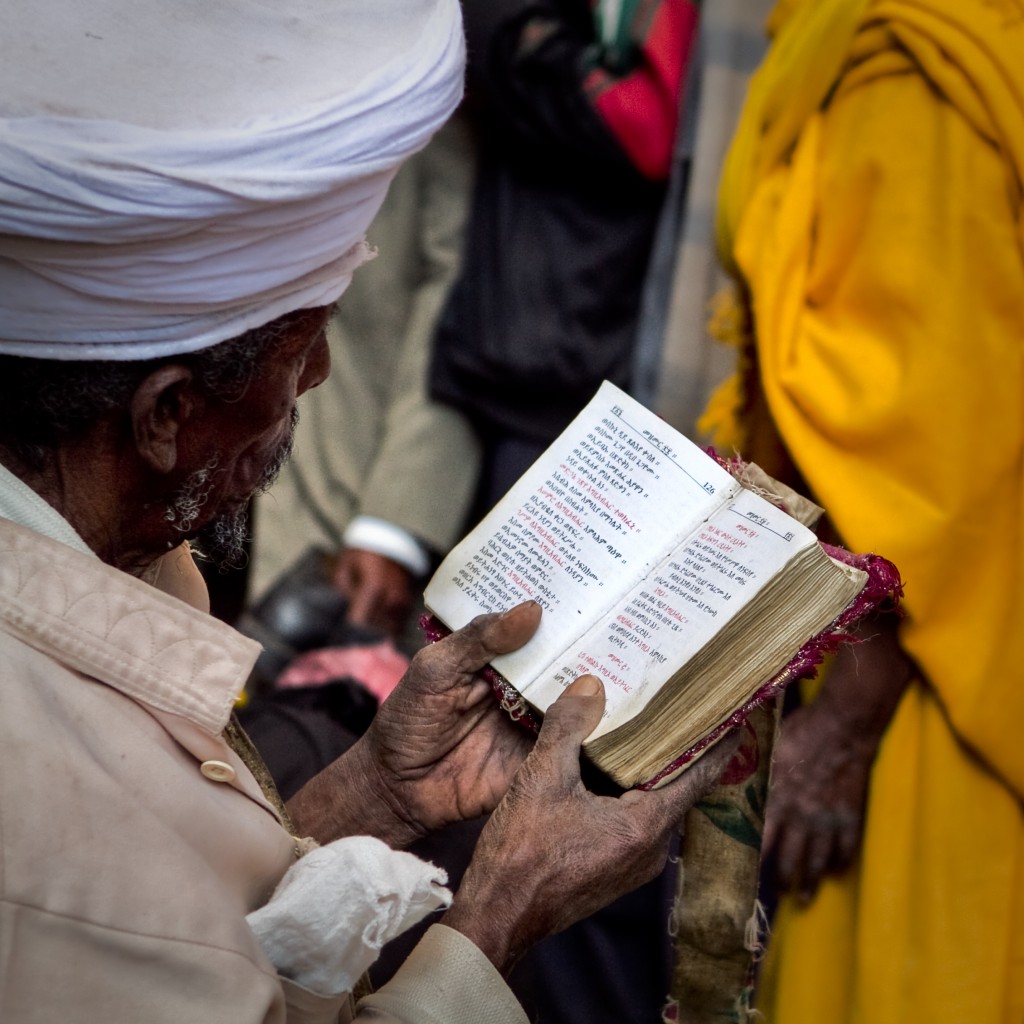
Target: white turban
{"x":175,"y":172}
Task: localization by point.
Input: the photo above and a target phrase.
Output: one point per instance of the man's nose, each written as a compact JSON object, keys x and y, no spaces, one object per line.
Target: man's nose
{"x":317,"y":366}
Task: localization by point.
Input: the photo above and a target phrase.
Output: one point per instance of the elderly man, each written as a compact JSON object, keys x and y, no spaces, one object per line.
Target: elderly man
{"x":185,"y":192}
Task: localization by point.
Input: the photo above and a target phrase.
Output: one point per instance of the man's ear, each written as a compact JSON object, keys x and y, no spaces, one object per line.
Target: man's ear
{"x":162,"y":404}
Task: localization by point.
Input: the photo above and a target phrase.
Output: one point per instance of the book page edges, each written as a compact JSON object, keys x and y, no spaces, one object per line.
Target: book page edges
{"x":883,"y":586}
{"x":753,"y":647}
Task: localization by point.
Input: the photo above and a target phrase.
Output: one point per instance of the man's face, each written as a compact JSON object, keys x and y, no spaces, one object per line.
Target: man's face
{"x":243,"y":444}
{"x":222,"y":539}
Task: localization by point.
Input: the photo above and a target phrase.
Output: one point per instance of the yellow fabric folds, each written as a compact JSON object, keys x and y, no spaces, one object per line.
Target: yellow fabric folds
{"x":871,"y":208}
{"x":803,"y":63}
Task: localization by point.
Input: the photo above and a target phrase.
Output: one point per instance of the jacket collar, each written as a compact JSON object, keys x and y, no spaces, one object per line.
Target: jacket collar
{"x":104,"y":623}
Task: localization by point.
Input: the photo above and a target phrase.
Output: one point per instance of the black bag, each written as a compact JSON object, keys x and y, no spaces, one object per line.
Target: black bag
{"x":546,"y":304}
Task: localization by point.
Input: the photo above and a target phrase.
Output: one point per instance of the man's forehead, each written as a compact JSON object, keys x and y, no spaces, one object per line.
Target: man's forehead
{"x":294,"y":331}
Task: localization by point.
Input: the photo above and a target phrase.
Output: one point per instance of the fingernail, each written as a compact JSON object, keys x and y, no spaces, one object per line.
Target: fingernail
{"x":585,"y":686}
{"x":519,"y":609}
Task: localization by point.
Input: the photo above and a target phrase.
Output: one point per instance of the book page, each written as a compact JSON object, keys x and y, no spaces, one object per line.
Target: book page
{"x":604,"y":504}
{"x":670,"y":616}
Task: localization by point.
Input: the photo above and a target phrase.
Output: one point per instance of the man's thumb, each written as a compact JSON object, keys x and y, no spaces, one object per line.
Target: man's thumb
{"x":576,"y":713}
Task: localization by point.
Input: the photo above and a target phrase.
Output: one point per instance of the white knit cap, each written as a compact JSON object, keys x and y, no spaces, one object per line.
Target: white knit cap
{"x":176,"y":172}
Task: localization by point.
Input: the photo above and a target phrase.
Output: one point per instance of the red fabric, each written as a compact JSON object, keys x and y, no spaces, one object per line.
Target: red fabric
{"x":379,"y":667}
{"x":642,"y":108}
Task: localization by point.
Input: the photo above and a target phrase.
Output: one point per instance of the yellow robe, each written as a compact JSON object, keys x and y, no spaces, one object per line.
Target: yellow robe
{"x":872,"y":208}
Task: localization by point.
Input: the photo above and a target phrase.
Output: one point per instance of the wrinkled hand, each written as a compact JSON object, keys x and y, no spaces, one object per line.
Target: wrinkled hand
{"x":379,"y":590}
{"x":439,"y":750}
{"x":822,"y":764}
{"x":553,"y":852}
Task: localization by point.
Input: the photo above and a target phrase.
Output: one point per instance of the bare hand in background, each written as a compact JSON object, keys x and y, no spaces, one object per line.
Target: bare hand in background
{"x":379,"y":590}
{"x":823,"y":758}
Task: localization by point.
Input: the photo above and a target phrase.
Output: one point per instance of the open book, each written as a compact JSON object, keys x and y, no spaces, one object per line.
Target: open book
{"x":687,"y":592}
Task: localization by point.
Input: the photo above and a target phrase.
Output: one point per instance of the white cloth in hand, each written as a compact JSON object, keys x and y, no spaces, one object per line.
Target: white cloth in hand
{"x":337,"y":906}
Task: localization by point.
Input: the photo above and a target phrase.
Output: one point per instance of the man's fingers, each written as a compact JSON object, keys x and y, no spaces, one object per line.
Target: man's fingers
{"x":708,"y":769}
{"x":446,"y":664}
{"x":695,"y":783}
{"x":574,"y":716}
{"x":507,"y":632}
{"x":567,"y":723}
{"x":488,"y":635}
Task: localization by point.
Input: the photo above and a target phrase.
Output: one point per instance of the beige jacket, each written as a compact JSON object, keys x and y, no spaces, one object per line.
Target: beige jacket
{"x":128,"y":860}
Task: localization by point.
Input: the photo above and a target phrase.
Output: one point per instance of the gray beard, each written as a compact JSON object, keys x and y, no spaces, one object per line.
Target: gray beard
{"x":224,"y":540}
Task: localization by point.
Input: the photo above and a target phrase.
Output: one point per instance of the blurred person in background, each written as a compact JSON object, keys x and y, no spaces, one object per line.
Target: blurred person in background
{"x":870,"y":214}
{"x":576,"y":106}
